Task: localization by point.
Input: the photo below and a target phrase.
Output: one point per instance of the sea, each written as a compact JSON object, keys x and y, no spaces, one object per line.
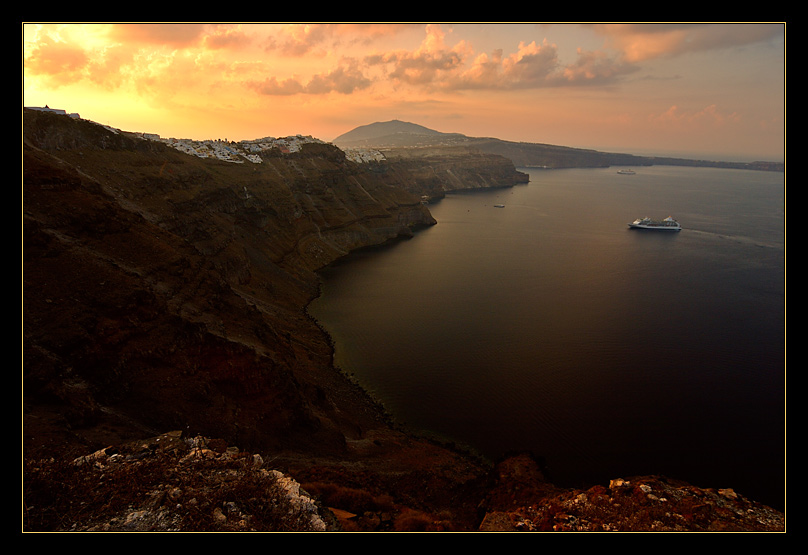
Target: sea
{"x":533,"y":318}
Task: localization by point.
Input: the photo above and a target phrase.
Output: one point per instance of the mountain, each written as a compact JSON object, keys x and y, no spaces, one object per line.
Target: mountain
{"x":394,"y":133}
{"x":381,"y":129}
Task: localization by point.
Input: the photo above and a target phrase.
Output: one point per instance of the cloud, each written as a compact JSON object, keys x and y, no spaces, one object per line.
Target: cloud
{"x":60,"y":62}
{"x":226,"y":37}
{"x":167,"y":34}
{"x":532,"y":66}
{"x":708,"y":117}
{"x":297,"y":39}
{"x":318,"y":39}
{"x":434,"y":65}
{"x":594,"y":67}
{"x":144,"y":55}
{"x":163,"y":62}
{"x":344,"y":80}
{"x":529,"y":67}
{"x":149,"y":59}
{"x":64,"y":55}
{"x":430,"y":64}
{"x":271,"y":86}
{"x":104,"y":55}
{"x":641,"y":42}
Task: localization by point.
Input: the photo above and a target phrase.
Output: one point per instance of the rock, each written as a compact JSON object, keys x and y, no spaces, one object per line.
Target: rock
{"x":225,"y":491}
{"x":640,"y":504}
{"x":189,"y":487}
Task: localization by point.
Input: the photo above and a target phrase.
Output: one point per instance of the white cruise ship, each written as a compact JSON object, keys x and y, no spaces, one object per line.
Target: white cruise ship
{"x":668,"y":224}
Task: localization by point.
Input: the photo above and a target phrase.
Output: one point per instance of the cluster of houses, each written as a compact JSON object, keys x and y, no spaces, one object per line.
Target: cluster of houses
{"x":241,"y":151}
{"x":363,"y":155}
{"x":250,"y":150}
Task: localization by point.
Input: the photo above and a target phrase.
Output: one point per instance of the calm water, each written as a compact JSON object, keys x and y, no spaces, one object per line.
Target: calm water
{"x":549,"y":325}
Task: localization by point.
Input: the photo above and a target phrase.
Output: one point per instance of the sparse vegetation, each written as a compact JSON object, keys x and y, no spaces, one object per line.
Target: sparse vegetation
{"x":187,"y":489}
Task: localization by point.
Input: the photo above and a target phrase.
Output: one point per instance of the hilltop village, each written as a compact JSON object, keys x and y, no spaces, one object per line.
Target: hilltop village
{"x":235,"y":152}
{"x":239,"y":152}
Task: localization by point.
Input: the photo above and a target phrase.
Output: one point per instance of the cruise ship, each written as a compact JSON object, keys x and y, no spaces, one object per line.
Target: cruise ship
{"x":668,"y":224}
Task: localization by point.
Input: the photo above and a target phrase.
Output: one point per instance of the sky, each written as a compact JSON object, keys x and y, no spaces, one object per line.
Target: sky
{"x":708,"y":90}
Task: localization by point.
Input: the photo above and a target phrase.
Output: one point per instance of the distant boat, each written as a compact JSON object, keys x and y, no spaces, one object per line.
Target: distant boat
{"x":626,"y":172}
{"x":499,"y":206}
{"x":668,"y":224}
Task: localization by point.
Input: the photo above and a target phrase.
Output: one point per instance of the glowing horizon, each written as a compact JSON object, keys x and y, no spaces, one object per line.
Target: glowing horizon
{"x":714,"y":89}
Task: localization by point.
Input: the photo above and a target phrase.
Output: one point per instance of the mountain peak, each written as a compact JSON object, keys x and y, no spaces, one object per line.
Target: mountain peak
{"x":377,"y":132}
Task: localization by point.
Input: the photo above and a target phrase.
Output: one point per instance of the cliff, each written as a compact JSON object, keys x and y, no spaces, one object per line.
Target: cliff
{"x":433,"y":171}
{"x":168,"y":291}
{"x":163,"y":291}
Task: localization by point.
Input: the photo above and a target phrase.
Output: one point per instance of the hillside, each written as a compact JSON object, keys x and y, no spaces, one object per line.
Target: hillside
{"x":166,"y":292}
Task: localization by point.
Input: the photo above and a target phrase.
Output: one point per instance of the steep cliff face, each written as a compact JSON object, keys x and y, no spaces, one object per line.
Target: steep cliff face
{"x":436,"y":170}
{"x":162,"y":290}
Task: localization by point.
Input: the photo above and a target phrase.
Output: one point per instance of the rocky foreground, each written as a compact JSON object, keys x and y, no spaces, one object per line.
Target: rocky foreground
{"x":163,"y":292}
{"x":173,"y":483}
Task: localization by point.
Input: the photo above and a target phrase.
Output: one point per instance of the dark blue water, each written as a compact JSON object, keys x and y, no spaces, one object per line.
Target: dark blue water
{"x":549,"y":325}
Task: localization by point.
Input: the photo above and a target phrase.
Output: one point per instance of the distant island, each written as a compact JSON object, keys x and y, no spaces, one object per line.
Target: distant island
{"x":397,"y":134}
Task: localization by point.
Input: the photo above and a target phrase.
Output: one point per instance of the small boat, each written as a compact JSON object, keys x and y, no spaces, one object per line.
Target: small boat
{"x":626,"y":172}
{"x":668,"y":224}
{"x":499,"y":206}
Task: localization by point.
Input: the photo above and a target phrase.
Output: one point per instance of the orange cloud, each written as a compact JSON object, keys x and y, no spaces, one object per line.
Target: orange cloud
{"x":59,"y":62}
{"x":172,"y":34}
{"x":343,"y":80}
{"x":298,"y":39}
{"x":226,"y":37}
{"x":428,"y":65}
{"x":709,"y":116}
{"x":640,"y":42}
{"x":595,"y":68}
{"x":304,"y":39}
{"x":440,"y":67}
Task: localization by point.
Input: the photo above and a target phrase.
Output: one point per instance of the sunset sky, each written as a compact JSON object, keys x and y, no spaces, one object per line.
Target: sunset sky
{"x":707,"y":90}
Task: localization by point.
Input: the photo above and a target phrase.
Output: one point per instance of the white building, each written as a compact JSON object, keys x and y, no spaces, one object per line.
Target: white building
{"x":53,"y":111}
